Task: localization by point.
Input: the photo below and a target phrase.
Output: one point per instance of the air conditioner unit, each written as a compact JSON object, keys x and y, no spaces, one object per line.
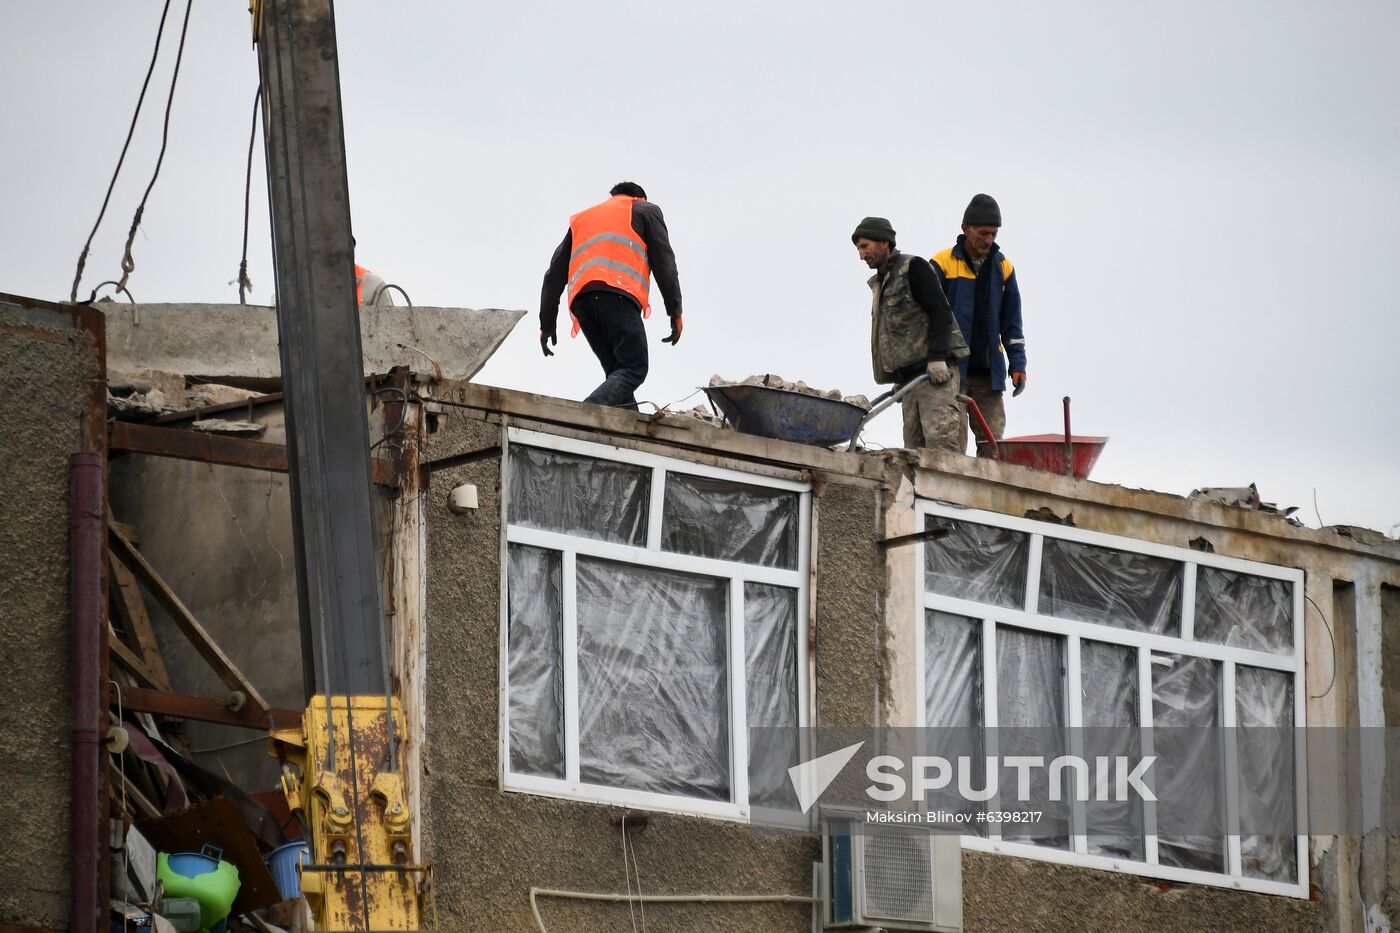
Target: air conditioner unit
{"x":889,"y":875}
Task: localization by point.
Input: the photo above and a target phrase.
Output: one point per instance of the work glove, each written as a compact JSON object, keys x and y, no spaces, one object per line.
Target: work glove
{"x":547,"y":337}
{"x":1019,"y":381}
{"x":938,"y":372}
{"x":676,"y":327}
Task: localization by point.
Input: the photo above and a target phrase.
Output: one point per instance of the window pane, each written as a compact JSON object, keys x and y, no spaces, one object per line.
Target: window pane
{"x":1109,"y":688}
{"x":1268,"y":818}
{"x":653,"y":680}
{"x":1243,"y":610}
{"x":953,"y":676}
{"x":770,"y":667}
{"x":1190,"y":783}
{"x":953,"y":706}
{"x":1110,"y":587}
{"x":1031,"y":721}
{"x":578,"y":495}
{"x":977,"y":562}
{"x":728,"y":521}
{"x":536,"y":673}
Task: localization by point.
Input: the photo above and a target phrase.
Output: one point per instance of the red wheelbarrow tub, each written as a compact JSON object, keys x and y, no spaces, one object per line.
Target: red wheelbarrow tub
{"x":1047,"y":452}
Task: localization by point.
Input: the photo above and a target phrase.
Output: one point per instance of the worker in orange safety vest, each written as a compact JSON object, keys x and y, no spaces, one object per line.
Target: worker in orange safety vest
{"x":371,"y":289}
{"x":606,"y":260}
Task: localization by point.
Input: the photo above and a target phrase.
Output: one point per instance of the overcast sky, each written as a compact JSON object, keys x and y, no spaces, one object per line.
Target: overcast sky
{"x":1202,"y":200}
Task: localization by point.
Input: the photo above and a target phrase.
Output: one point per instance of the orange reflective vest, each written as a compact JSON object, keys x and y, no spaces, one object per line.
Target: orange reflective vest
{"x":608,"y":250}
{"x":360,"y":273}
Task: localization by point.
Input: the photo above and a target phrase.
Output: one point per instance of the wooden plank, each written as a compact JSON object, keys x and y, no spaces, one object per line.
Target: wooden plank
{"x":204,"y":709}
{"x":202,"y":446}
{"x":182,"y":444}
{"x":129,"y":658}
{"x":227,"y":672}
{"x":131,"y":608}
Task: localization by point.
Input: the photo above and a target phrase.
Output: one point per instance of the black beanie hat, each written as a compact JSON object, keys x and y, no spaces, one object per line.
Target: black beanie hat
{"x":874,"y":228}
{"x":982,"y":211}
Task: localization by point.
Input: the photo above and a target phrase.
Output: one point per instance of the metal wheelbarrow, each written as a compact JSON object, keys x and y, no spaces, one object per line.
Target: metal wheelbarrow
{"x":767,"y":411}
{"x":1066,"y":454}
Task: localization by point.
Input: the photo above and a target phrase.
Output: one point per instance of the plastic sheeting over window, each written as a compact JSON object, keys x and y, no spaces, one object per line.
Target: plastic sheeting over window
{"x":653,"y":676}
{"x":536,"y":675}
{"x":728,"y":521}
{"x":982,"y":563}
{"x":1243,"y":610}
{"x":1031,"y":721}
{"x":953,"y":703}
{"x":1110,"y":587}
{"x":770,"y":666}
{"x":1109,"y":692}
{"x":577,"y":495}
{"x":1264,"y":715}
{"x":1190,"y":782}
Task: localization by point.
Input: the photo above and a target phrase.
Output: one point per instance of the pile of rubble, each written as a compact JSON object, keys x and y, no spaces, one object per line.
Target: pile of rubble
{"x":778,"y":382}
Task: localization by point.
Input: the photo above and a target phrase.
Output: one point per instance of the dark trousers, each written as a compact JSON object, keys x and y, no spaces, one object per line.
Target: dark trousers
{"x":612,"y":323}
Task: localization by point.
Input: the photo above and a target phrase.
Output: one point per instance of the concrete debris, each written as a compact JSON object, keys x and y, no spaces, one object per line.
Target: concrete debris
{"x":703,"y":413}
{"x":1360,"y":535}
{"x":144,"y":380}
{"x":778,"y":382}
{"x":221,"y":426}
{"x":1243,"y":497}
{"x":153,"y":402}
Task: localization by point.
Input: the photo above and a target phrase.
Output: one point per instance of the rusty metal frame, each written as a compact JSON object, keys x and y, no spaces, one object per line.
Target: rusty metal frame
{"x":183,"y":444}
{"x":204,"y":709}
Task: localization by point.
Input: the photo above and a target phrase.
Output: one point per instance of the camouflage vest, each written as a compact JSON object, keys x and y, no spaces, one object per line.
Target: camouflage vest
{"x":899,"y":324}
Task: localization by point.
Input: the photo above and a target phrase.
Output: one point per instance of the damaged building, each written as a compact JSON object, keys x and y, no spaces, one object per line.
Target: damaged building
{"x":589,"y":610}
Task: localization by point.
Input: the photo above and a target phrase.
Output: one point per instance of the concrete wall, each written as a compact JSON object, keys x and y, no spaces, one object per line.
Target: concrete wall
{"x":1345,"y":655}
{"x":488,"y":848}
{"x":47,"y":366}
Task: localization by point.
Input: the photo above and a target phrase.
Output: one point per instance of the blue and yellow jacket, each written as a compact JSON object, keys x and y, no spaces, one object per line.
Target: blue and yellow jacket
{"x":1004,"y":332}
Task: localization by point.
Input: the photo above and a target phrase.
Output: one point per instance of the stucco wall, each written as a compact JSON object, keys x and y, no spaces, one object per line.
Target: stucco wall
{"x":1018,"y":895}
{"x":488,"y":848}
{"x":44,"y":373}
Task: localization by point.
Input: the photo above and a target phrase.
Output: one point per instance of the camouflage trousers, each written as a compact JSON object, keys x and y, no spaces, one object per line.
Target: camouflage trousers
{"x":979,"y":389}
{"x":932,"y":416}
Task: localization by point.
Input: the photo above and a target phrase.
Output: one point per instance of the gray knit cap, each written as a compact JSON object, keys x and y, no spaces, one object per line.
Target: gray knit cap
{"x":982,"y":211}
{"x":874,"y":228}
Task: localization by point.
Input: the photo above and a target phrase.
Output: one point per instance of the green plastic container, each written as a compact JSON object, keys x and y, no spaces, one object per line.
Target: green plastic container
{"x":203,"y":876}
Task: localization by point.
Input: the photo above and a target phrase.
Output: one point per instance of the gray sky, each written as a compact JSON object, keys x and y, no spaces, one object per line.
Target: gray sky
{"x":1201,"y":199}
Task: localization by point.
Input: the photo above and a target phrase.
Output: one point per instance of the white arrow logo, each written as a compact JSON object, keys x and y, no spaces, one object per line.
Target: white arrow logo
{"x":811,"y":778}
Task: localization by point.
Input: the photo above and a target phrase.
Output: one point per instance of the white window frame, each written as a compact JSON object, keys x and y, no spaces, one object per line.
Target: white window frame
{"x":650,"y":556}
{"x":1073,"y":633}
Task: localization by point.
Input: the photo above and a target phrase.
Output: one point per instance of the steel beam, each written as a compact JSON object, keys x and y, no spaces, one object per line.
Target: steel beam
{"x":204,"y":709}
{"x":319,"y":335}
{"x":185,"y":444}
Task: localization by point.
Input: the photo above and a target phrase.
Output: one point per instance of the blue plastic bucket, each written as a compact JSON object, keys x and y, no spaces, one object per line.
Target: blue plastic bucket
{"x":283,"y":864}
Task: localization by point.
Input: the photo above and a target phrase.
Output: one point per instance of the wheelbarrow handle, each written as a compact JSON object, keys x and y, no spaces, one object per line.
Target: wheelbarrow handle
{"x":883,"y":402}
{"x":981,"y":423}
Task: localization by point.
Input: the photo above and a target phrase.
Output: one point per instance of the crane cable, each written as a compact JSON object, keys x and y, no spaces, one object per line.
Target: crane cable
{"x":245,"y":284}
{"x":131,"y":131}
{"x":128,"y":263}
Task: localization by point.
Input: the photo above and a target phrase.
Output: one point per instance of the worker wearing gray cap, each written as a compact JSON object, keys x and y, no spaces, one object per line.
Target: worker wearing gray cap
{"x":912,"y":331}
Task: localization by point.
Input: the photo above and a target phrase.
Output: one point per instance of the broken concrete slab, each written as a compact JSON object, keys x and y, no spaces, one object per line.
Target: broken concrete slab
{"x":237,"y":344}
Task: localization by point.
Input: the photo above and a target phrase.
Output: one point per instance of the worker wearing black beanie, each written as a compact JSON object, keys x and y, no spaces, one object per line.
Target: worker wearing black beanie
{"x":981,"y":287}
